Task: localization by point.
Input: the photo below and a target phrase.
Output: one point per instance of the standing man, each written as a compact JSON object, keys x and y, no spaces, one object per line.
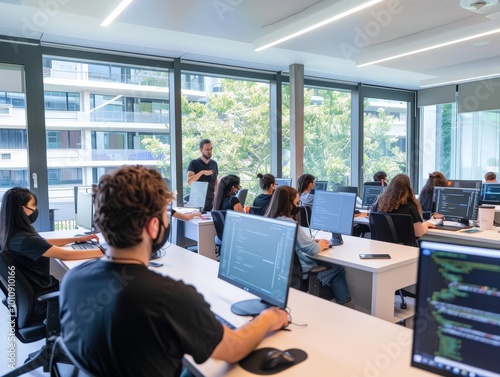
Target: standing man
{"x":121,"y":319}
{"x":204,"y":169}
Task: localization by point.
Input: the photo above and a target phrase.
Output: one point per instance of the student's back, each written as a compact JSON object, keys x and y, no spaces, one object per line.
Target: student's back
{"x":163,"y":318}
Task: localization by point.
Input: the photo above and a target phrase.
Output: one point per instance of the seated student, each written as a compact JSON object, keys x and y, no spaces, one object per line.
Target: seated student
{"x":398,"y":197}
{"x":305,"y":183}
{"x":268,"y":185}
{"x":381,"y":177}
{"x":284,"y":205}
{"x":436,"y":179}
{"x":490,"y":177}
{"x":119,"y":318}
{"x":225,"y":195}
{"x":28,"y":251}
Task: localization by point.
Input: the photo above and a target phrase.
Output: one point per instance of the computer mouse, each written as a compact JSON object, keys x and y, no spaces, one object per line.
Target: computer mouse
{"x":275,"y":359}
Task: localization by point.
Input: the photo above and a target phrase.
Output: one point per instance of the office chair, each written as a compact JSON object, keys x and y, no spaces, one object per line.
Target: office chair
{"x":63,"y":363}
{"x":242,"y":196}
{"x":27,"y":330}
{"x":394,"y":228}
{"x":311,"y":285}
{"x":218,"y":218}
{"x":305,"y":216}
{"x":255,"y":210}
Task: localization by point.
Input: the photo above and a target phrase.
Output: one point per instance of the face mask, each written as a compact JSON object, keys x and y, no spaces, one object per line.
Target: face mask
{"x":157,"y":242}
{"x":34,"y":215}
{"x":295,"y":210}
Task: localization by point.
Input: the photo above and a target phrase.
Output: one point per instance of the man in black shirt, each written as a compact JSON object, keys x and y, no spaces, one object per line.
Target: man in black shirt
{"x":204,"y":169}
{"x":120,"y":318}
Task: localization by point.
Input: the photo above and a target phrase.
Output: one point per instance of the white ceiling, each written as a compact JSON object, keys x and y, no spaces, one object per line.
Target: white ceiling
{"x":224,"y":31}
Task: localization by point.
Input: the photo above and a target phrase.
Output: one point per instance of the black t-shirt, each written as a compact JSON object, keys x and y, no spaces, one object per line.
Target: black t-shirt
{"x":26,"y":250}
{"x":409,"y":209}
{"x":262,"y":201}
{"x":425,"y":199}
{"x":198,"y":165}
{"x":229,"y":203}
{"x":125,"y":320}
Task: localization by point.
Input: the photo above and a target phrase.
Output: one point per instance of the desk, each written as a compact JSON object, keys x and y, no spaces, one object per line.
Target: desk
{"x":339,"y":341}
{"x":186,"y":233}
{"x":371,"y":282}
{"x":485,"y":236}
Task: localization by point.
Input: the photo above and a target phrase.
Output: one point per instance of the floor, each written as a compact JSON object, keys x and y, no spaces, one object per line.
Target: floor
{"x":21,"y":350}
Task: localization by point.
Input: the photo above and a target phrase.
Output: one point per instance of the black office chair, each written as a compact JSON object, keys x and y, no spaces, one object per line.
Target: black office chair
{"x":394,"y":228}
{"x":305,"y":216}
{"x":21,"y":307}
{"x":218,"y":218}
{"x":311,"y":285}
{"x":242,"y":196}
{"x":63,"y":363}
{"x":255,"y":210}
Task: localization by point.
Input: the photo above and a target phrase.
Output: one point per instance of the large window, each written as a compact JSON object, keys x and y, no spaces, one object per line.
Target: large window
{"x":119,"y":115}
{"x":236,"y":119}
{"x":460,"y":145}
{"x":327,"y":135}
{"x":385,"y":137}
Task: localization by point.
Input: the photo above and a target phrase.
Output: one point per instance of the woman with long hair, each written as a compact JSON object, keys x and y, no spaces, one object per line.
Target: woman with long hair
{"x":225,"y":196}
{"x":399,"y":197}
{"x":28,"y":251}
{"x":285,"y":205}
{"x":305,"y":184}
{"x":436,"y":179}
{"x":268,"y":185}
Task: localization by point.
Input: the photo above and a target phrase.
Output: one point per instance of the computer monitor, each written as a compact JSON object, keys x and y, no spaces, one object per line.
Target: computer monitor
{"x":333,"y":212}
{"x":198,"y":195}
{"x":370,"y":194}
{"x":84,"y":209}
{"x":321,"y":185}
{"x":352,"y":189}
{"x":284,"y":181}
{"x":457,"y":322}
{"x":490,"y":193}
{"x":465,"y":183}
{"x":257,"y":255}
{"x":456,"y":204}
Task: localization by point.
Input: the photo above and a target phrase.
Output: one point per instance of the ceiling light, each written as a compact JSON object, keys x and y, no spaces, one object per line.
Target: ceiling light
{"x":440,"y":82}
{"x":120,"y":8}
{"x":428,"y":48}
{"x":313,"y":21}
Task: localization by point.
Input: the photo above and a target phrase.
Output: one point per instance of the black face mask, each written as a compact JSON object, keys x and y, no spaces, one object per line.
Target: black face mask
{"x":295,"y":210}
{"x":157,"y":242}
{"x":34,"y":215}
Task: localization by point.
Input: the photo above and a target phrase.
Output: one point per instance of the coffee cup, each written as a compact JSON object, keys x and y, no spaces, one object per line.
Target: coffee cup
{"x":485,"y":217}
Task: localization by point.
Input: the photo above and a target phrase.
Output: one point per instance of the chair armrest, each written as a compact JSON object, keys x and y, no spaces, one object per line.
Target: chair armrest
{"x":317,"y":269}
{"x":51,"y":296}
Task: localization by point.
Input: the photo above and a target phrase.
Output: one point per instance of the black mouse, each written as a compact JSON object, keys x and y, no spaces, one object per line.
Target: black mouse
{"x":276,"y":358}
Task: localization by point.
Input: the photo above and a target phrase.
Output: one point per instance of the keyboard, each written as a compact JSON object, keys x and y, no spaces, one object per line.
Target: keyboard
{"x":85,"y":246}
{"x":447,"y":227}
{"x":224,"y":322}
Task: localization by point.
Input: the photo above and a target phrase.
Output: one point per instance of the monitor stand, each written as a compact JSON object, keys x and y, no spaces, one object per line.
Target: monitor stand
{"x":336,"y":239}
{"x":252,"y":307}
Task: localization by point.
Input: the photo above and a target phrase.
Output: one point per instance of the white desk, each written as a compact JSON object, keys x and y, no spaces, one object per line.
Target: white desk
{"x":339,"y":341}
{"x":371,"y":282}
{"x":485,"y":236}
{"x":202,"y":232}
